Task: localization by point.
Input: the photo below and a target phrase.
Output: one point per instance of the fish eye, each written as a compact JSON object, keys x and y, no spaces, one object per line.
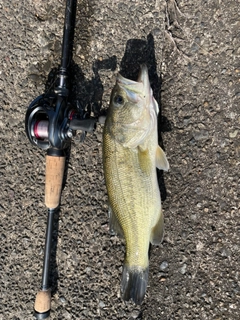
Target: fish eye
{"x":118,"y":99}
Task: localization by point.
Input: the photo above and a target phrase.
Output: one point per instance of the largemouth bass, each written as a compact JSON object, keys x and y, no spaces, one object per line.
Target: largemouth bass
{"x":130,"y":157}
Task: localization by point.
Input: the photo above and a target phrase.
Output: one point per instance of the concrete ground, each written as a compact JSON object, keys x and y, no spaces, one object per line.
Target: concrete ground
{"x":192,"y":49}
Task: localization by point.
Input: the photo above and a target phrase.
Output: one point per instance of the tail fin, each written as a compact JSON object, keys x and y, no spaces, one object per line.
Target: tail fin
{"x":134,"y":283}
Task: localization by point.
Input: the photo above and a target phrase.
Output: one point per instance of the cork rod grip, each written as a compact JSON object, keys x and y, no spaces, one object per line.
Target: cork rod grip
{"x":43,"y":301}
{"x":54,"y":179}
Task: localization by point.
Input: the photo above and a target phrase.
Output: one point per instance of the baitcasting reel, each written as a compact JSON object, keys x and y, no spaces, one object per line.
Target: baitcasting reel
{"x":47,"y":123}
{"x":51,"y":121}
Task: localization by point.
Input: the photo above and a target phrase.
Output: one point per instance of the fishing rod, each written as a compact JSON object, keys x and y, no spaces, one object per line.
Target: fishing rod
{"x":50,"y":123}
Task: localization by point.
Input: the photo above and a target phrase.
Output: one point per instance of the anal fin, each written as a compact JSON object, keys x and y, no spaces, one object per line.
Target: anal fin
{"x":158,"y":231}
{"x":114,"y":226}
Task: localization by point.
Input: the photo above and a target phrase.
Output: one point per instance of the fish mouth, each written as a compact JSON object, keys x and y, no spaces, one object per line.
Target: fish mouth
{"x":139,"y":89}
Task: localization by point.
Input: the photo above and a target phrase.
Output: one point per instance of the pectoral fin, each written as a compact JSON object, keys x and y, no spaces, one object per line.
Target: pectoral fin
{"x":114,"y":226}
{"x":158,"y":231}
{"x":161,"y":160}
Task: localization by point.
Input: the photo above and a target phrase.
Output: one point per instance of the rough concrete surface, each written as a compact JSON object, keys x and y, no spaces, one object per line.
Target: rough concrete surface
{"x":192,"y":49}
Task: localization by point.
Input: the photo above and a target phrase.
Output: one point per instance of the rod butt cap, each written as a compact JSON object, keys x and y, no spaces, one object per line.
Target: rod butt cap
{"x":43,"y":315}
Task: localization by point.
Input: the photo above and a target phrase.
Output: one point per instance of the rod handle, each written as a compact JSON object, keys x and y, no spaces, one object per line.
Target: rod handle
{"x":54,"y":180}
{"x":42,"y":304}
